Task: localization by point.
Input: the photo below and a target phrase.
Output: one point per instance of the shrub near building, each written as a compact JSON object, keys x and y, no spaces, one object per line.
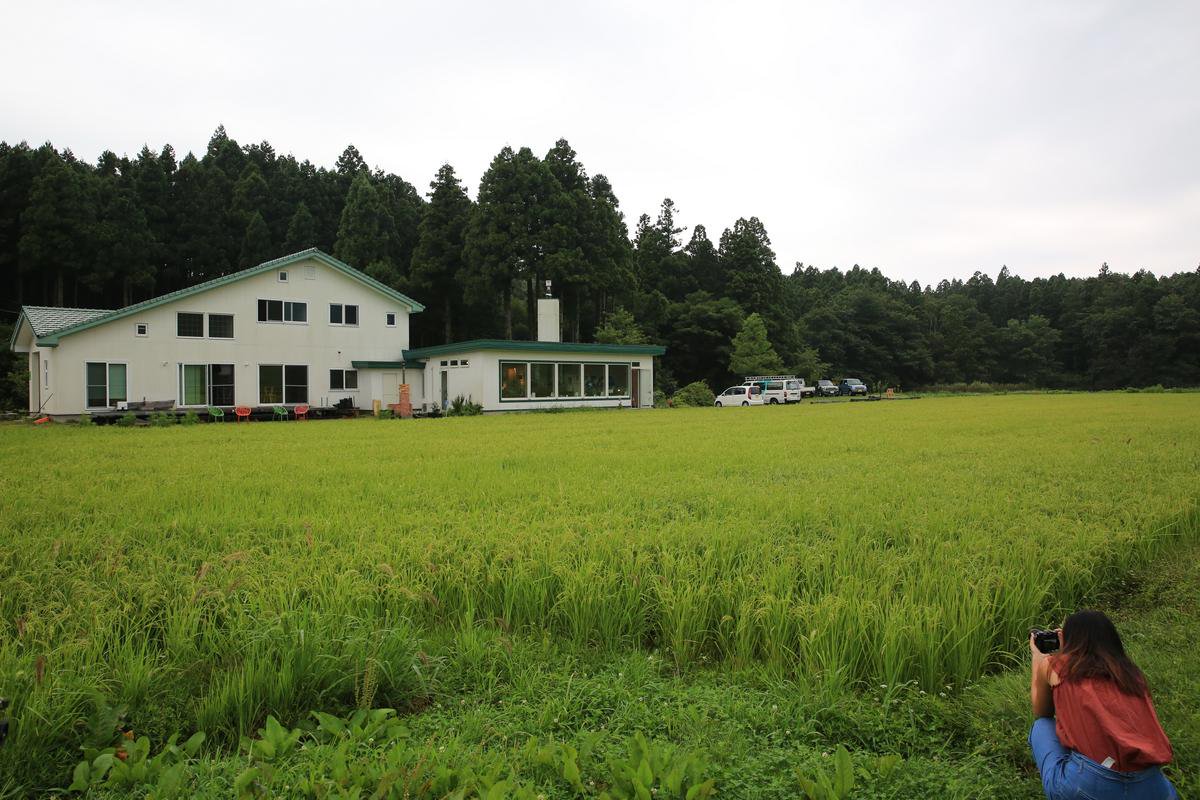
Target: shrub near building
{"x":694,"y":394}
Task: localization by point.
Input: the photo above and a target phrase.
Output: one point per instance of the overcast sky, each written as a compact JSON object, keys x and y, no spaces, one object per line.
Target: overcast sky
{"x":927,"y":139}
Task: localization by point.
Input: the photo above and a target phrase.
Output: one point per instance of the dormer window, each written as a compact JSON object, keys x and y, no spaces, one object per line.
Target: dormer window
{"x":283,"y":276}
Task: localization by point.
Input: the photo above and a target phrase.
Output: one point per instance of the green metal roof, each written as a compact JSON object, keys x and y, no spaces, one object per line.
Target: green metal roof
{"x":410,"y":364}
{"x":540,"y":347}
{"x":51,"y":339}
{"x":45,"y":320}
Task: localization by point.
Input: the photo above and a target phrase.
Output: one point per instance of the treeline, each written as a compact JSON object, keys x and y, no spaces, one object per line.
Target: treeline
{"x":124,"y":229}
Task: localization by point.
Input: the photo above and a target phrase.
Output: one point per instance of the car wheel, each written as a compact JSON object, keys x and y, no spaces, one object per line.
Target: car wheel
{"x":745,"y":402}
{"x":718,"y":404}
{"x":774,"y":401}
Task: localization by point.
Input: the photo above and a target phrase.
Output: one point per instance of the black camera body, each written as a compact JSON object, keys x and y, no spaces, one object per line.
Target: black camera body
{"x":1045,"y":641}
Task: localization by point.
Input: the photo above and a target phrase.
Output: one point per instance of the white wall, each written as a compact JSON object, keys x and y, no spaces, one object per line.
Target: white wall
{"x":152,"y":361}
{"x":481,"y":379}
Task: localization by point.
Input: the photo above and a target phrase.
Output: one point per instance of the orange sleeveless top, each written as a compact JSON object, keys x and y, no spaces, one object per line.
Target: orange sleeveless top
{"x":1094,"y":717}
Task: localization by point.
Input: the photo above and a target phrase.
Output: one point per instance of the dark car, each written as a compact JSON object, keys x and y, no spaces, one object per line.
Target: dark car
{"x":851,"y":386}
{"x":826,"y":389}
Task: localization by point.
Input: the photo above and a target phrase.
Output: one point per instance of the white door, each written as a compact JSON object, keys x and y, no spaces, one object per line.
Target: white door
{"x":391,"y":388}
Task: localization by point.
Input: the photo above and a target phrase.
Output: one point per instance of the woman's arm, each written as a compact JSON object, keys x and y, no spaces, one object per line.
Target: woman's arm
{"x":1040,"y":694}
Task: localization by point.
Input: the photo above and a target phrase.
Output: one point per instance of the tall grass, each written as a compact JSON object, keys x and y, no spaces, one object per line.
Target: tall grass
{"x":205,"y":576}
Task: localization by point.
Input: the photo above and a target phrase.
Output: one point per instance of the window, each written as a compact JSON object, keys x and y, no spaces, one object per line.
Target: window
{"x":593,"y":380}
{"x":206,"y":384}
{"x":270,"y":383}
{"x":345,"y":380}
{"x":141,"y":329}
{"x":464,"y":363}
{"x":618,"y":380}
{"x":454,"y":362}
{"x":220,"y":326}
{"x":541,"y":380}
{"x":282,"y":311}
{"x":295,"y":384}
{"x":189,"y":325}
{"x":341,"y":314}
{"x":569,"y":380}
{"x":105,"y":384}
{"x":46,"y":372}
{"x":445,"y":364}
{"x":391,"y":319}
{"x":283,"y":276}
{"x":512,"y":380}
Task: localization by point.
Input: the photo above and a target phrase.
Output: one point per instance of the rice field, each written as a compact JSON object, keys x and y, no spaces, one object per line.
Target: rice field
{"x":206,"y":576}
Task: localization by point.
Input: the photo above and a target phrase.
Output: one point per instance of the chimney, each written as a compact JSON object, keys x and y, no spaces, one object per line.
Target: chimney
{"x":549,"y":322}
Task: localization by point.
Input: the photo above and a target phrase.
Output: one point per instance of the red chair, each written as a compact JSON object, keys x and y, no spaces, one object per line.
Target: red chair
{"x":300,"y":411}
{"x":243,"y":413}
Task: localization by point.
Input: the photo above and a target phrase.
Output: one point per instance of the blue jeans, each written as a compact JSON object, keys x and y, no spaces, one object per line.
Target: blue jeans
{"x":1067,"y":775}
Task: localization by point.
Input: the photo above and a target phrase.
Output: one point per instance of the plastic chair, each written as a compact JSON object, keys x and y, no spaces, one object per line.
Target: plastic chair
{"x":279,"y":412}
{"x":215,"y":414}
{"x":243,"y":413}
{"x":301,"y":411}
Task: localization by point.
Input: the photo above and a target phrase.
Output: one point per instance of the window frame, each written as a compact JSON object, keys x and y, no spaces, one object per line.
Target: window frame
{"x":341,"y":308}
{"x":389,"y":319}
{"x":558,"y":395}
{"x":208,"y":385}
{"x":203,"y":321}
{"x":232,"y":325}
{"x":142,"y":329}
{"x":284,"y":307}
{"x":108,"y":365}
{"x":283,"y":276}
{"x":343,"y":373}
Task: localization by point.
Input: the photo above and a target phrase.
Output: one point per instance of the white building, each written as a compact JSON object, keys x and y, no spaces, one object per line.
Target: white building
{"x":305,"y":329}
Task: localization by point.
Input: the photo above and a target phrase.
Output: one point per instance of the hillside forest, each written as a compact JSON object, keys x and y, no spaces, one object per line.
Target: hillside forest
{"x":126,"y":228}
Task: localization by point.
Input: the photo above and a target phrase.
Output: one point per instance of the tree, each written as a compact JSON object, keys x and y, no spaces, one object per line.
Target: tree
{"x":125,"y":247}
{"x":364,"y":233}
{"x":301,"y":230}
{"x":438,"y":262}
{"x":57,"y":226}
{"x":256,"y":243}
{"x":620,"y":328}
{"x":748,"y":263}
{"x":752,"y":351}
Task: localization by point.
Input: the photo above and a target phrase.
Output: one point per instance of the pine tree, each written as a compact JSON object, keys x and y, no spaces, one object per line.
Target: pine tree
{"x":364,"y":235}
{"x":438,"y":261}
{"x":125,"y":247}
{"x":752,"y":352}
{"x":620,"y":328}
{"x":256,"y":243}
{"x":301,"y":231}
{"x":57,"y":226}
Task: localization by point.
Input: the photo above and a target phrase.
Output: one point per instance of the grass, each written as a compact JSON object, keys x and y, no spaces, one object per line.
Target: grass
{"x":808,"y":560}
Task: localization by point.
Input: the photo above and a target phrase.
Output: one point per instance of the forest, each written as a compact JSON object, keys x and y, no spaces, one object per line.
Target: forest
{"x":123,"y":229}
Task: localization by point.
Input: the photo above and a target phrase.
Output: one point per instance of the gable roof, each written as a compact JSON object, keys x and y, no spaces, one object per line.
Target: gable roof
{"x":45,"y":320}
{"x":511,"y":344}
{"x":50,"y":338}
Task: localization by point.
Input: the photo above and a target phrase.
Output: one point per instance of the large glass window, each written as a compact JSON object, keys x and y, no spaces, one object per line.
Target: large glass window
{"x":541,"y":380}
{"x":220,"y":326}
{"x":570,"y":380}
{"x":193,"y":384}
{"x":220,"y":384}
{"x":593,"y":380}
{"x":105,"y":384}
{"x":341,"y":314}
{"x":190,"y":325}
{"x":282,"y":311}
{"x":295,"y":384}
{"x":513,"y":380}
{"x":270,"y":383}
{"x":618,"y":380}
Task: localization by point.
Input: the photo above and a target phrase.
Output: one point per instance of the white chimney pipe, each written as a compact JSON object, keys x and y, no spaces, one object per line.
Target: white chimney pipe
{"x":549,"y":320}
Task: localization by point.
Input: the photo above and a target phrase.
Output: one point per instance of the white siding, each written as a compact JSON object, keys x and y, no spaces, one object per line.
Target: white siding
{"x":153,"y":372}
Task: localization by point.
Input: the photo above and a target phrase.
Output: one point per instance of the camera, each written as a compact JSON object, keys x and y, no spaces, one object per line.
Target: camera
{"x":1045,"y":641}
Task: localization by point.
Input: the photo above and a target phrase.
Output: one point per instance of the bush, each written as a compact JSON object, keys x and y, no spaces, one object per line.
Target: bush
{"x":694,"y":394}
{"x":127,"y":420}
{"x":660,"y":399}
{"x":463,"y":407}
{"x":86,"y":420}
{"x":190,"y":418}
{"x":161,"y":419}
{"x":386,"y":413}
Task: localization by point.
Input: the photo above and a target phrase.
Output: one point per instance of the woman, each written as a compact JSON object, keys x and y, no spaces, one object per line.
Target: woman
{"x":1106,"y":741}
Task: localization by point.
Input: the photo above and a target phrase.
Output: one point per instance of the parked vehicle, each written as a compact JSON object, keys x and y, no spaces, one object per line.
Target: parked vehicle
{"x":779,"y":388}
{"x":744,"y":395}
{"x":805,"y":389}
{"x":826,"y":388}
{"x":851,"y":386}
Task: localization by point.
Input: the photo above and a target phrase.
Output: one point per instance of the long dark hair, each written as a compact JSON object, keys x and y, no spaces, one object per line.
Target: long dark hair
{"x":1092,"y":649}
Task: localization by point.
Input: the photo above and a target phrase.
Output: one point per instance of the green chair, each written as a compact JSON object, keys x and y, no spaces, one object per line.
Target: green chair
{"x":280,"y":412}
{"x":215,"y":414}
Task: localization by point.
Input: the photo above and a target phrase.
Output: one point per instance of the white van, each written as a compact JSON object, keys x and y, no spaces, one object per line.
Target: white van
{"x":778,"y":388}
{"x":744,"y":395}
